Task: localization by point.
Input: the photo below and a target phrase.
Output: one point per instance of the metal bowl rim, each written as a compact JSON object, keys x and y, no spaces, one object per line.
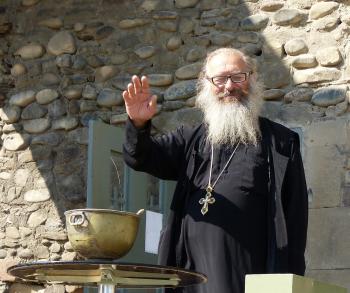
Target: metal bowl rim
{"x":107,"y":211}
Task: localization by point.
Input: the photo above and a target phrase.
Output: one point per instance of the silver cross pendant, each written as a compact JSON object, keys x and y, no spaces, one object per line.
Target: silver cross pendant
{"x":209,"y":199}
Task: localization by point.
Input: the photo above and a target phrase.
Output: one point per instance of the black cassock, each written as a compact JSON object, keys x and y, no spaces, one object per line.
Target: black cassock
{"x":258,"y":223}
{"x":230,"y":240}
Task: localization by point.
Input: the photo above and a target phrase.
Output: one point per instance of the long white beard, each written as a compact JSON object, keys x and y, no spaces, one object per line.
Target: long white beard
{"x":232,"y":122}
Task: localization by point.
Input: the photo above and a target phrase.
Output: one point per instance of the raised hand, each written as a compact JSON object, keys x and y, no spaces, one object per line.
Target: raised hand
{"x":140,"y":104}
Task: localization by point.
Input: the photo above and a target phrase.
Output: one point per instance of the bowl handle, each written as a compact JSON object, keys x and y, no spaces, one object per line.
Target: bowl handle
{"x":77,"y":219}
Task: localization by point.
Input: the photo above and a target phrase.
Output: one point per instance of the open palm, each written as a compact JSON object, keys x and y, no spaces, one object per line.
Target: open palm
{"x":140,"y":104}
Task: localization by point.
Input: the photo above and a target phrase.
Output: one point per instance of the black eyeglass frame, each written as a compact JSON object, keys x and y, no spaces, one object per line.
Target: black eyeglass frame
{"x":246,"y":76}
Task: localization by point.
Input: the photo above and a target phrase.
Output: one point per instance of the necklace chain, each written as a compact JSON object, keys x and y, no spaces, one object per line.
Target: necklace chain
{"x":209,"y":199}
{"x":223,"y":169}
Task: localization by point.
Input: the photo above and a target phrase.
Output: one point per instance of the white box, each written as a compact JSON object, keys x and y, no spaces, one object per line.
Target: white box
{"x":287,"y":283}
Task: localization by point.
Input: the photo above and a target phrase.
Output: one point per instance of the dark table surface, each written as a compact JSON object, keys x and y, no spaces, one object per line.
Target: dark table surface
{"x":89,"y":272}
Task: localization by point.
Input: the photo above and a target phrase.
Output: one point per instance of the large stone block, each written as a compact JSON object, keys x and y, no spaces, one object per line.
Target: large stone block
{"x":189,"y":71}
{"x":325,"y":144}
{"x":181,"y":90}
{"x":23,"y":99}
{"x":271,"y":109}
{"x":324,"y":172}
{"x":304,"y":61}
{"x":185,"y":3}
{"x":16,"y":141}
{"x":329,"y":56}
{"x":329,"y":96}
{"x":168,"y":121}
{"x":219,"y":39}
{"x":287,"y":17}
{"x":271,"y":6}
{"x":313,"y":75}
{"x":299,"y":94}
{"x":322,"y":9}
{"x":329,"y":238}
{"x":325,"y":24}
{"x":339,"y":277}
{"x":295,"y":114}
{"x":275,"y":74}
{"x":327,"y":132}
{"x":62,"y":42}
{"x":31,"y":51}
{"x":254,"y":22}
{"x":10,"y":114}
{"x":272,"y":48}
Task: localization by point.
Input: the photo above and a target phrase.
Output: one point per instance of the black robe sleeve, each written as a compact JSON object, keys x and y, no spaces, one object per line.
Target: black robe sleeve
{"x":295,"y":205}
{"x":159,"y":156}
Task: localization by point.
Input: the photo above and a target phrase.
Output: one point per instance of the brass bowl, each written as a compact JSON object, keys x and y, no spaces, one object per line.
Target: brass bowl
{"x":102,"y":233}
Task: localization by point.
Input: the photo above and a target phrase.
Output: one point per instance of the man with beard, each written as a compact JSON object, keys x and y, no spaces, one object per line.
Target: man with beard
{"x":240,"y":204}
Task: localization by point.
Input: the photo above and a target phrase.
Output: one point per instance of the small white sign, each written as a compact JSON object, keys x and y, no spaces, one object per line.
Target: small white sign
{"x":154,"y":223}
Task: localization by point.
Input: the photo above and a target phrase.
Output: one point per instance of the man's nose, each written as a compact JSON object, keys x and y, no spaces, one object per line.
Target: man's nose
{"x":231,"y":85}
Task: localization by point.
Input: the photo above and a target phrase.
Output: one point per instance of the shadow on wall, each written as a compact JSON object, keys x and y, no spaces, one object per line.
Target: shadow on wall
{"x":63,"y":64}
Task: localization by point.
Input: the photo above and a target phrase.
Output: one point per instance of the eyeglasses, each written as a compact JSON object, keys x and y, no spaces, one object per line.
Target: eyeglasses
{"x":235,"y":78}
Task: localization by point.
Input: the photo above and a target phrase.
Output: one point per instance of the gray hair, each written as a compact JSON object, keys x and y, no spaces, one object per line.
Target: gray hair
{"x":251,"y":64}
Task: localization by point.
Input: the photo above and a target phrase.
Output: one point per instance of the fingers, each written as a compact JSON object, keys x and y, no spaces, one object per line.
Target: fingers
{"x":145,"y":85}
{"x":131,"y":90}
{"x":153,"y":104}
{"x":137,"y":84}
{"x":125,"y":95}
{"x":134,"y":87}
{"x":153,"y":100}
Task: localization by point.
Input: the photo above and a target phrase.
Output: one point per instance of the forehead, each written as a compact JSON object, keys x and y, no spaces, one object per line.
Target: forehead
{"x":225,"y":63}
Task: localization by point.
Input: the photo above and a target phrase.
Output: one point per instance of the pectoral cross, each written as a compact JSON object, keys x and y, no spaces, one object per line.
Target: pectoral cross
{"x":207,"y":200}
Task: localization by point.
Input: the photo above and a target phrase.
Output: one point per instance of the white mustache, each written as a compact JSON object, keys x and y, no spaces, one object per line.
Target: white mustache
{"x":227,"y":93}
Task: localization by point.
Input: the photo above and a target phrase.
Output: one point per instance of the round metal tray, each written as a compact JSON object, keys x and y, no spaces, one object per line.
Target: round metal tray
{"x":95,"y":272}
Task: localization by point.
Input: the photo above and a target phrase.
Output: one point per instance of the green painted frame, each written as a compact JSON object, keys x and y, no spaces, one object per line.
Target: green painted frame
{"x":104,"y":139}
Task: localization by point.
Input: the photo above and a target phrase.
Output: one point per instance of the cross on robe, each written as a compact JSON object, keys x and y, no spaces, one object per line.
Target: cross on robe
{"x":209,"y":199}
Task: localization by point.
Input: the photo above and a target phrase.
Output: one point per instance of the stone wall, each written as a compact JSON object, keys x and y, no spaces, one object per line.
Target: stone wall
{"x":63,"y":63}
